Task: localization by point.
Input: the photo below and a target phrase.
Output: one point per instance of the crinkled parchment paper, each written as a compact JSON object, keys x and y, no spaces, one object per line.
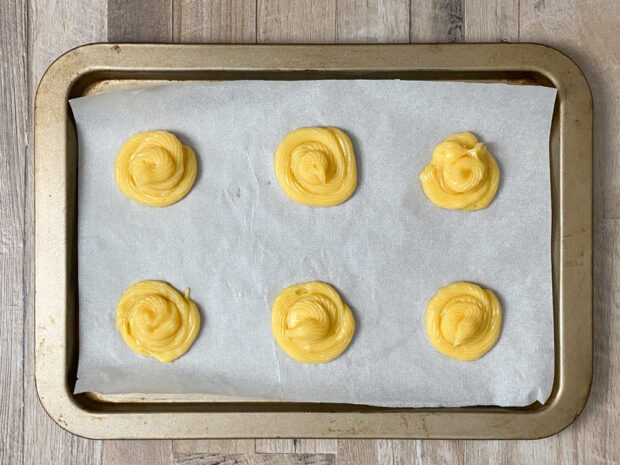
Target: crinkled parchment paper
{"x":236,"y":240}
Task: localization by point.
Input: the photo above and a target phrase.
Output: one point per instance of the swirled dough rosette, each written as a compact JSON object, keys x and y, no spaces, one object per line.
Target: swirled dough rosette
{"x":156,"y":320}
{"x":316,"y":166}
{"x":155,"y":169}
{"x":311,"y":323}
{"x":462,"y":174}
{"x":463,"y":321}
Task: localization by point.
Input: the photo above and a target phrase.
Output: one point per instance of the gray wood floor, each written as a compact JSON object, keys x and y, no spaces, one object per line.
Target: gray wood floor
{"x":34,"y":32}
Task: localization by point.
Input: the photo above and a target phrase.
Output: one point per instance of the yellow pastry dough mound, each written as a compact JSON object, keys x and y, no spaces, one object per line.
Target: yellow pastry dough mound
{"x":155,"y":320}
{"x":155,"y":169}
{"x":462,"y":174}
{"x":311,"y":323}
{"x":463,"y":321}
{"x":316,"y":166}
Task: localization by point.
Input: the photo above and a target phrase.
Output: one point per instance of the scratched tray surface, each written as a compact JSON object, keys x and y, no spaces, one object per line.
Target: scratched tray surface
{"x":104,"y":67}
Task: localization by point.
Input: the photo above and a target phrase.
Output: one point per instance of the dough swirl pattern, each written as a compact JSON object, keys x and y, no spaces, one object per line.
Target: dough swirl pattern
{"x":155,"y":169}
{"x":316,"y":166}
{"x":462,"y":174}
{"x":311,"y":323}
{"x":463,"y":321}
{"x":154,"y":319}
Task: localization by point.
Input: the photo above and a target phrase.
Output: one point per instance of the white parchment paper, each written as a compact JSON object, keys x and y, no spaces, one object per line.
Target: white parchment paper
{"x":236,"y":240}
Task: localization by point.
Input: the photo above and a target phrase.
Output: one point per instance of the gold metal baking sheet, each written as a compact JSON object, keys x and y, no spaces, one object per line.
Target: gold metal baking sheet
{"x":101,"y":68}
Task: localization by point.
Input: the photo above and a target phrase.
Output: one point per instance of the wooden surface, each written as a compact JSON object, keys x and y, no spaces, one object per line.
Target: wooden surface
{"x":34,"y":32}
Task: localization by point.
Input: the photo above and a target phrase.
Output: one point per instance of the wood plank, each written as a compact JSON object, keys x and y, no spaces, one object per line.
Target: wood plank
{"x":380,"y":452}
{"x":54,"y":27}
{"x":299,"y":446}
{"x":58,"y":26}
{"x":13,"y":171}
{"x":296,"y":21}
{"x":49,"y":444}
{"x":495,"y":452}
{"x":217,"y":21}
{"x":442,"y":452}
{"x":547,"y":451}
{"x":213,"y":446}
{"x":403,"y":452}
{"x":254,"y":459}
{"x":372,"y":21}
{"x":316,"y":446}
{"x":354,"y":451}
{"x":437,"y":21}
{"x":491,"y":21}
{"x":275,"y":446}
{"x":137,"y":453}
{"x":587,"y":34}
{"x":140,"y":21}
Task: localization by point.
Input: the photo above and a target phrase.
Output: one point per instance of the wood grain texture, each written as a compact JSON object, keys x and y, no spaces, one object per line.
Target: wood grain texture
{"x":220,"y":21}
{"x":582,"y":30}
{"x":54,"y":27}
{"x":317,"y":446}
{"x":35,"y":32}
{"x":296,"y":21}
{"x":140,"y":21}
{"x":13,"y":168}
{"x":372,"y":21}
{"x":501,"y":452}
{"x":376,"y":452}
{"x":299,"y":446}
{"x":213,"y":446}
{"x":137,"y":453}
{"x":578,"y":29}
{"x":491,"y":21}
{"x":595,"y":435}
{"x":254,"y":459}
{"x":399,"y":452}
{"x":437,"y":21}
{"x":275,"y":446}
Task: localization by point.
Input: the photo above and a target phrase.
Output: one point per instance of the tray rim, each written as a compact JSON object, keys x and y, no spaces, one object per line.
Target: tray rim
{"x":574,"y":299}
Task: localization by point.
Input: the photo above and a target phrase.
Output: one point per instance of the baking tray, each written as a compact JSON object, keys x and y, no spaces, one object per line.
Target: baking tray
{"x":101,"y":68}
